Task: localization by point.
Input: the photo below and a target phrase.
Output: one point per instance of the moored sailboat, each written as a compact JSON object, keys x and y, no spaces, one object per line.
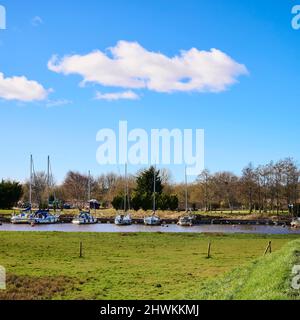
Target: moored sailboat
{"x":125,"y":218}
{"x":85,"y":217}
{"x":43,"y":217}
{"x":153,"y":220}
{"x":187,"y":220}
{"x":24,"y":215}
{"x":295,"y":223}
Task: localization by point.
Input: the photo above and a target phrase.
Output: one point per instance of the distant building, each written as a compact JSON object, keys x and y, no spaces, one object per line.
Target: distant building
{"x":94,"y":204}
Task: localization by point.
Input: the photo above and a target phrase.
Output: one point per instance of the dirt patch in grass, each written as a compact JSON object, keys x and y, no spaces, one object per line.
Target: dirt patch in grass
{"x":35,"y":288}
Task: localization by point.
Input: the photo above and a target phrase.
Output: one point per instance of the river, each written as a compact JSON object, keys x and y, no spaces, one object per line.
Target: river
{"x":254,"y":229}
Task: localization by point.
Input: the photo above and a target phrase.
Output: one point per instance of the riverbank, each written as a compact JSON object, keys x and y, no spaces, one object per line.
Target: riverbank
{"x":266,"y":278}
{"x":46,"y":265}
{"x":171,"y":217}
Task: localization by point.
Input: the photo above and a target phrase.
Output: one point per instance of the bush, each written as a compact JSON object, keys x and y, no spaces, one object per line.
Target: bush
{"x":10,"y":194}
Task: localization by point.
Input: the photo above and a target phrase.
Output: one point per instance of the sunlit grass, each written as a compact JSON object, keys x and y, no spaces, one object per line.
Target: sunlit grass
{"x":129,"y":266}
{"x":267,"y":278}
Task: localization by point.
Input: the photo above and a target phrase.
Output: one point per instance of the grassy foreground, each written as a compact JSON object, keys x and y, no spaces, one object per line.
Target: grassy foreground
{"x":125,"y":266}
{"x":267,"y":278}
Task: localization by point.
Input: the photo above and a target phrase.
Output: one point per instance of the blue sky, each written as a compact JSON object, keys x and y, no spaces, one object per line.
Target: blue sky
{"x":256,"y":119}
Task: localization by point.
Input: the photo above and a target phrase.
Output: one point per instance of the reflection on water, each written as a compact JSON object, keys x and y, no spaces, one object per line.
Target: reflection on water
{"x":141,"y":228}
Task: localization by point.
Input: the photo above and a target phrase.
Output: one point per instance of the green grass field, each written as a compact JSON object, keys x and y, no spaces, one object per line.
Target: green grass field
{"x":267,"y":278}
{"x":123,"y":266}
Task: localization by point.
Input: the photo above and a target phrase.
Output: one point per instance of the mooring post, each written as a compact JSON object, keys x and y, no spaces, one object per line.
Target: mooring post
{"x":208,"y":250}
{"x":269,"y":248}
{"x":80,"y":250}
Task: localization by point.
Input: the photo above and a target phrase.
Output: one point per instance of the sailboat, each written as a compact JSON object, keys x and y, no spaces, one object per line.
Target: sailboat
{"x":295,"y":223}
{"x":85,"y":217}
{"x":44,"y":216}
{"x":187,"y":220}
{"x":153,"y":220}
{"x":24,"y":215}
{"x":124,"y":219}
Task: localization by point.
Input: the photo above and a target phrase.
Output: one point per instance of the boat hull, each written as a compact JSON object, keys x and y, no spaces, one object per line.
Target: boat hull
{"x":123,"y":221}
{"x":44,"y":221}
{"x":152,"y":221}
{"x":295,"y":224}
{"x":84,"y":222}
{"x":185,"y":222}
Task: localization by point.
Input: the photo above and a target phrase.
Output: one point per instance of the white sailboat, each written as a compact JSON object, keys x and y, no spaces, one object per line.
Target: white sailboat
{"x":153,"y":220}
{"x":85,"y":217}
{"x":295,"y":223}
{"x":124,"y":219}
{"x":45,"y":216}
{"x":187,"y":220}
{"x":24,"y":216}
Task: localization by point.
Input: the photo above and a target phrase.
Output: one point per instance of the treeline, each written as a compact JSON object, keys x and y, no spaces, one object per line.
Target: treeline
{"x":273,"y":187}
{"x":265,"y":188}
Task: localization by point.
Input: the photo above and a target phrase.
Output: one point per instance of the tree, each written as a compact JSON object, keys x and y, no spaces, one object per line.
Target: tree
{"x":249,"y":185}
{"x":10,"y":193}
{"x":163,"y":202}
{"x":145,"y":181}
{"x":144,"y":192}
{"x":118,"y":202}
{"x":76,"y":187}
{"x":206,"y":187}
{"x":173,"y":202}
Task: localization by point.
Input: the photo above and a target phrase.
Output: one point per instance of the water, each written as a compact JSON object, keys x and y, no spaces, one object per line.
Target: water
{"x":141,"y":228}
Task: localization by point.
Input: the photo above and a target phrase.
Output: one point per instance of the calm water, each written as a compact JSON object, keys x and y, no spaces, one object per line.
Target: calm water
{"x":142,"y":228}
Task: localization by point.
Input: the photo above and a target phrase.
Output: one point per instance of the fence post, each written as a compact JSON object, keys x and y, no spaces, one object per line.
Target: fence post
{"x":269,"y":248}
{"x":209,"y":250}
{"x":81,"y":250}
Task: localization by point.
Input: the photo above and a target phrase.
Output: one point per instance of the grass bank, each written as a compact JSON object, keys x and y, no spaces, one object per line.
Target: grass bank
{"x":266,"y":278}
{"x":122,"y":266}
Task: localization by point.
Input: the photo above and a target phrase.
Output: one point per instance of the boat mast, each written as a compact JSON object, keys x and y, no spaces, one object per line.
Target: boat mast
{"x":30,"y":183}
{"x":48,"y":179}
{"x":125,"y":193}
{"x":89,"y":187}
{"x":186,"y":191}
{"x":154,"y":195}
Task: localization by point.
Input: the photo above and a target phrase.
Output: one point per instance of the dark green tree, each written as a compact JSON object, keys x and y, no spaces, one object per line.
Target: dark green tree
{"x":10,"y":193}
{"x":144,"y":193}
{"x":173,"y":202}
{"x":145,"y":182}
{"x":118,"y":202}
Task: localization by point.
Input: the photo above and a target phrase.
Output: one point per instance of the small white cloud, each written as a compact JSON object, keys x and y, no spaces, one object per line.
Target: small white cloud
{"x":21,"y":89}
{"x":36,"y":21}
{"x":129,"y":65}
{"x":127,"y":95}
{"x":58,"y":103}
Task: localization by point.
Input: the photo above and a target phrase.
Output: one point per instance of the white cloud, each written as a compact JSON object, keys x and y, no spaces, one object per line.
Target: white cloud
{"x":129,"y":65}
{"x":21,"y":89}
{"x":36,"y":21}
{"x":127,"y":95}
